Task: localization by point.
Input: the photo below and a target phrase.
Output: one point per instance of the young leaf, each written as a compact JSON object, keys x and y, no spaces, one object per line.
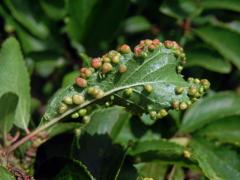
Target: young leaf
{"x":14,"y":77}
{"x":210,"y":109}
{"x":229,"y":48}
{"x":215,"y":163}
{"x":233,"y":5}
{"x":8,"y":104}
{"x":137,"y":24}
{"x":208,"y":60}
{"x":5,"y":174}
{"x":155,"y":170}
{"x":149,"y":83}
{"x":157,"y":149}
{"x":226,"y":130}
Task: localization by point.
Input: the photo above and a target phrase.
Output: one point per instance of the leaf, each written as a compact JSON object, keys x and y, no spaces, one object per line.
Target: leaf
{"x":208,"y":60}
{"x":99,"y":153}
{"x":117,"y":123}
{"x":93,"y":23}
{"x":225,"y":130}
{"x":158,"y":70}
{"x":181,"y":9}
{"x":55,"y":9}
{"x":233,"y":5}
{"x":137,"y":24}
{"x":14,"y":77}
{"x":229,"y":48}
{"x":61,"y":128}
{"x":215,"y":163}
{"x":74,"y":170}
{"x":29,"y":15}
{"x":107,"y":121}
{"x":5,"y":174}
{"x":161,"y":149}
{"x":155,"y":170}
{"x":8,"y":104}
{"x":69,"y":78}
{"x":210,"y":109}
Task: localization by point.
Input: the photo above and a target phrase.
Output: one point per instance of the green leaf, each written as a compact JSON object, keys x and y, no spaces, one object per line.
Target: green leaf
{"x":158,"y":70}
{"x":5,"y":174}
{"x":137,"y":24}
{"x":14,"y":77}
{"x":93,"y":23}
{"x":74,"y":170}
{"x":108,"y":121}
{"x":181,"y":9}
{"x":55,"y":9}
{"x":69,"y":78}
{"x":157,"y":149}
{"x":29,"y":15}
{"x":229,"y":48}
{"x":206,"y":59}
{"x":155,"y":170}
{"x":79,"y":12}
{"x":62,"y":128}
{"x":210,"y":109}
{"x":8,"y":104}
{"x":215,"y":163}
{"x":233,"y":5}
{"x":225,"y":130}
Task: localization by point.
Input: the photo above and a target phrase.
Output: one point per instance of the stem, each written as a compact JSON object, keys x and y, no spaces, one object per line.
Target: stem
{"x":55,"y":120}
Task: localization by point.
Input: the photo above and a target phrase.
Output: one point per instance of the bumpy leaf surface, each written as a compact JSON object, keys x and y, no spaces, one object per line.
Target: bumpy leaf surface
{"x":156,"y":67}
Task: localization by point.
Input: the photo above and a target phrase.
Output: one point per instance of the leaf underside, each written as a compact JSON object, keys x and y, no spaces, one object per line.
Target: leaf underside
{"x":157,"y":68}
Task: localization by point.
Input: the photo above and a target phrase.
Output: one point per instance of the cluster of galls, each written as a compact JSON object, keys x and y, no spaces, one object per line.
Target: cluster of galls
{"x":103,"y":65}
{"x":195,"y":91}
{"x":145,"y":46}
{"x":71,"y":101}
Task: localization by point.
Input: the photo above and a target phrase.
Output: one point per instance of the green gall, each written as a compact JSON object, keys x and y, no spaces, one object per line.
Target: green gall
{"x":183,"y":106}
{"x":77,"y":132}
{"x":153,"y":115}
{"x":107,"y":67}
{"x":179,"y":69}
{"x":75,"y":115}
{"x":179,"y":90}
{"x":91,"y":90}
{"x":68,"y":100}
{"x":106,"y":59}
{"x":78,"y":99}
{"x":192,"y":91}
{"x":86,"y":119}
{"x":107,"y":104}
{"x":197,"y":81}
{"x":62,"y":108}
{"x":205,"y":83}
{"x":100,"y":94}
{"x":128,"y":92}
{"x":122,"y":68}
{"x":82,"y":112}
{"x":81,"y":82}
{"x":163,"y":112}
{"x":190,"y":79}
{"x":116,"y":59}
{"x":186,"y":154}
{"x":148,"y":88}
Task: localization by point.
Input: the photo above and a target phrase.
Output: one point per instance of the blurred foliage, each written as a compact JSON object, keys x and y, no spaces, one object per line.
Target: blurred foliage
{"x":58,"y":37}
